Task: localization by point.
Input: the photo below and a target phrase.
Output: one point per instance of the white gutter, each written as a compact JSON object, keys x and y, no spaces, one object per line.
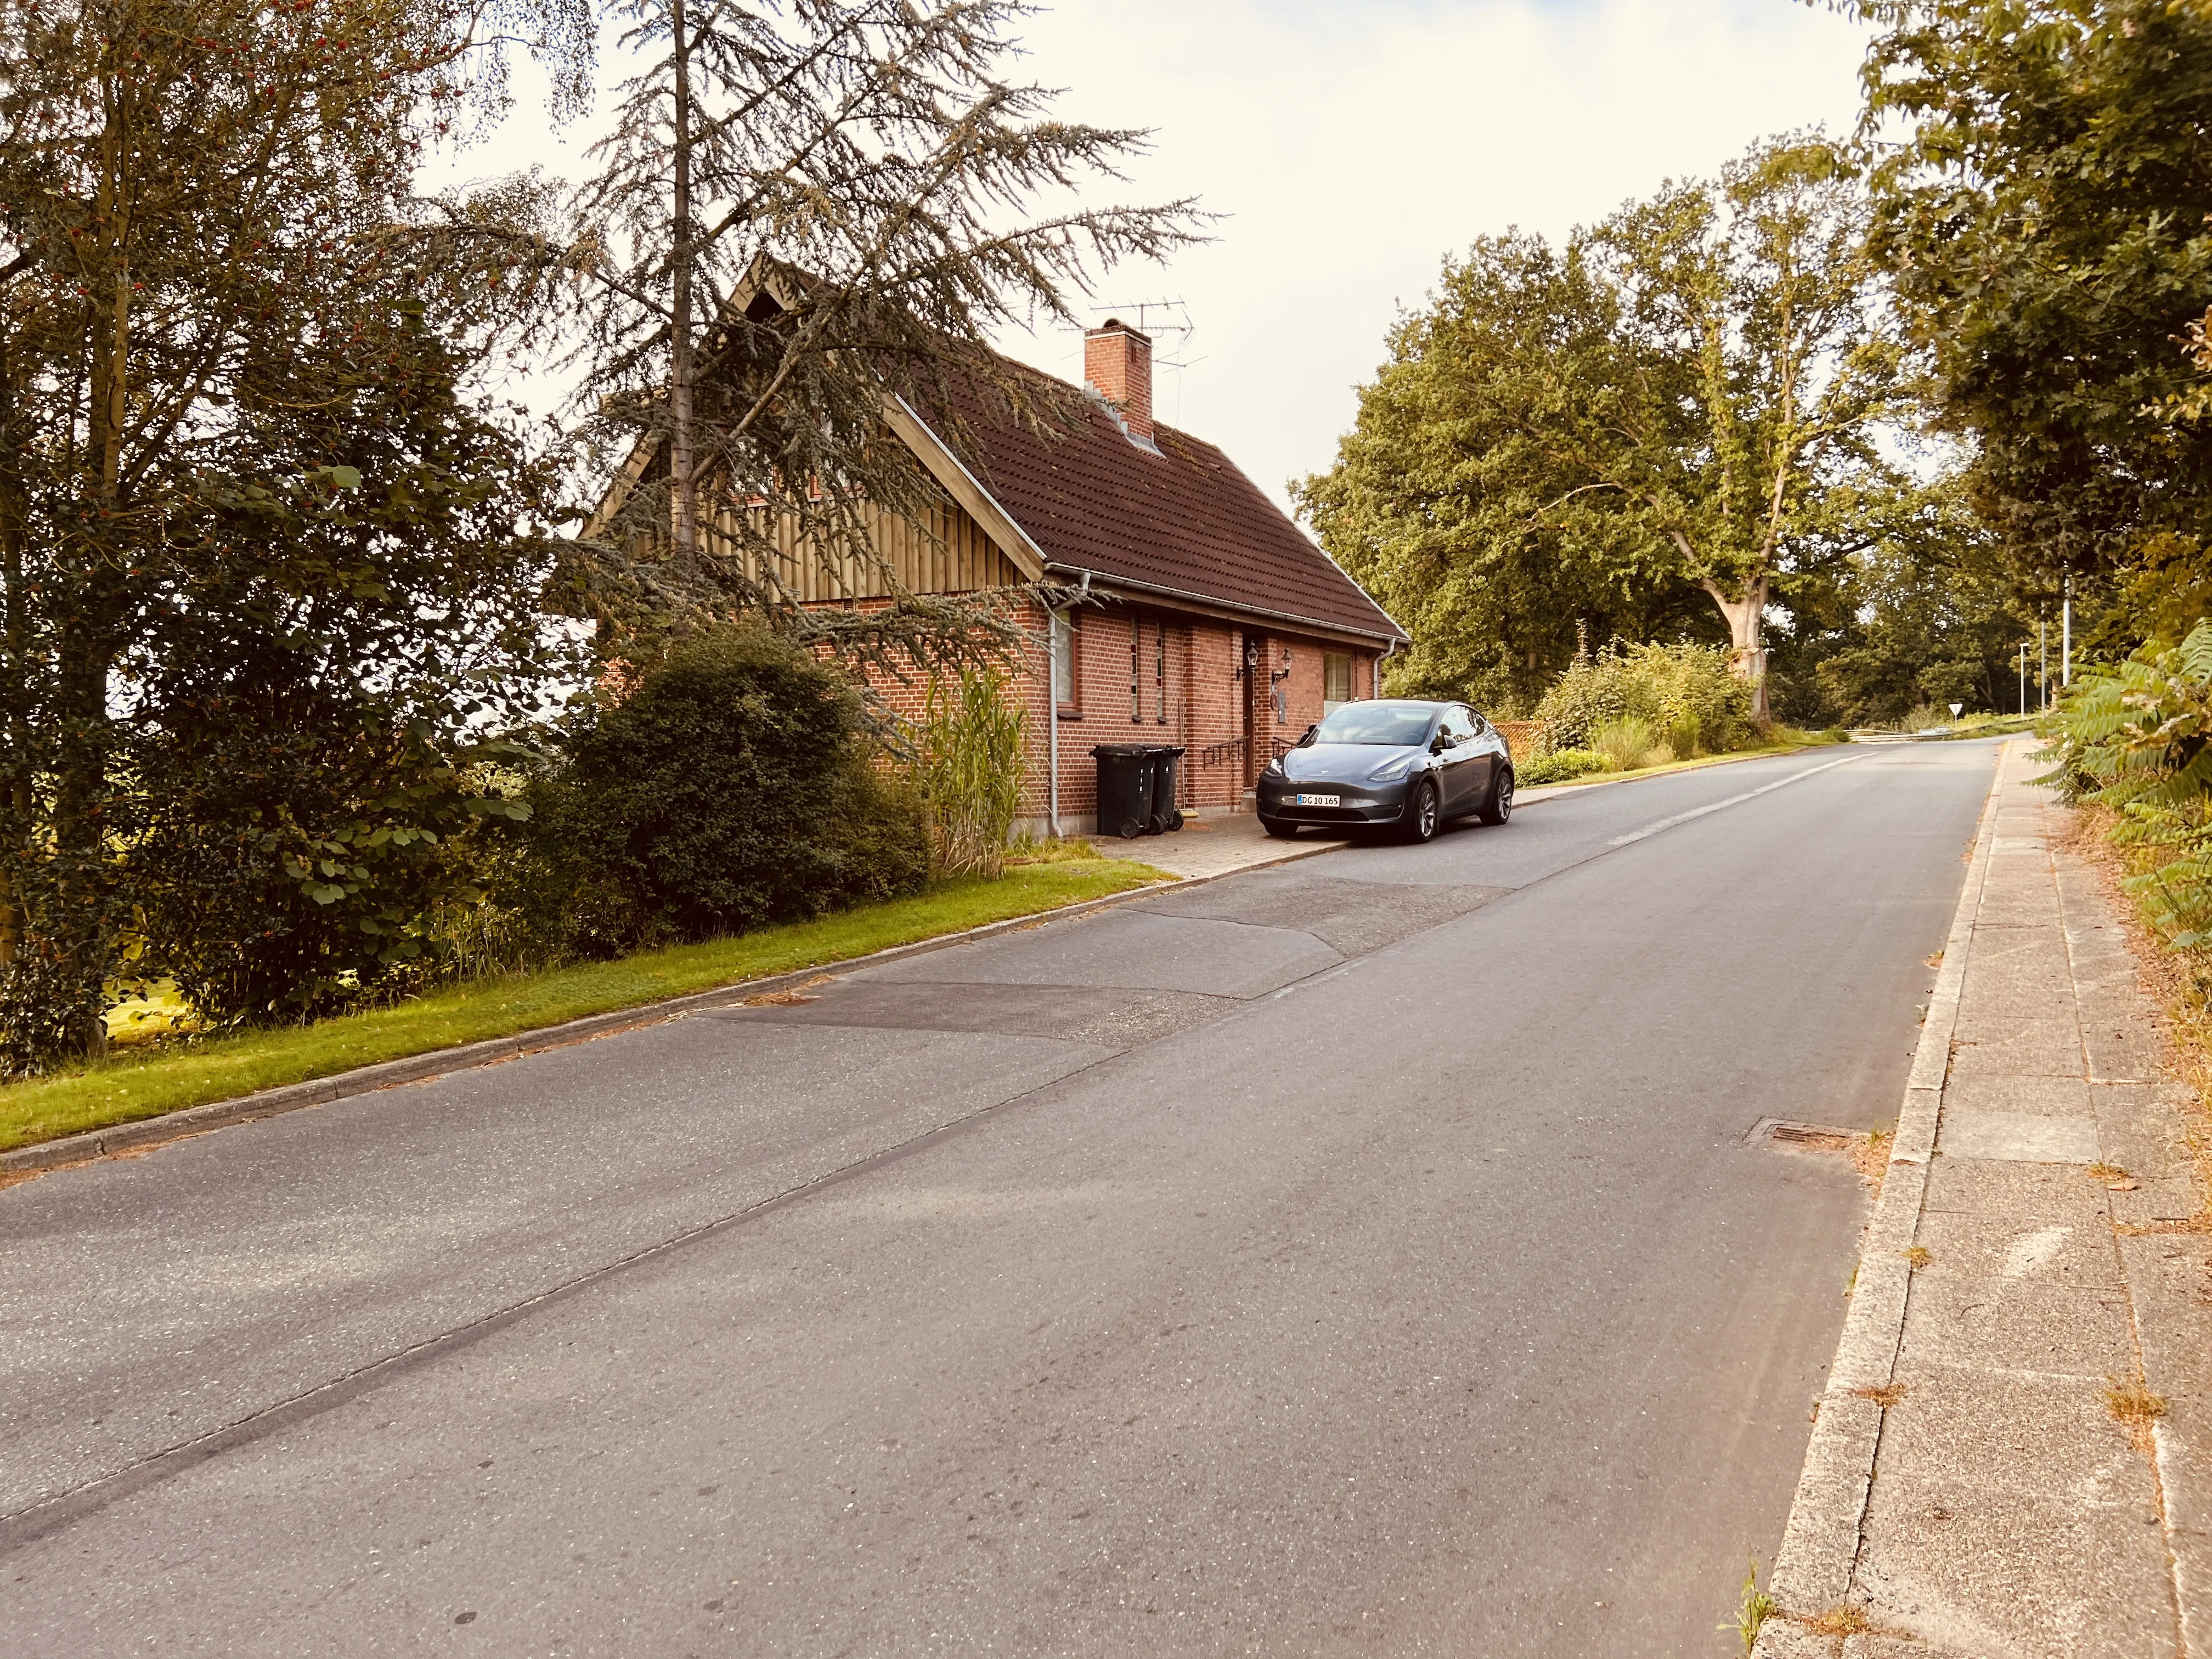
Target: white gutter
{"x":1254,"y":611}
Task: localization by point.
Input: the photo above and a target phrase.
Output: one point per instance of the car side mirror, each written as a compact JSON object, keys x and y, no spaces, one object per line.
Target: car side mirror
{"x":1441,"y":742}
{"x":1309,"y":737}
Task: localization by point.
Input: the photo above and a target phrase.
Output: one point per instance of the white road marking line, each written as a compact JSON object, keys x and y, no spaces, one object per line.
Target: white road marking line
{"x":1733,"y":800}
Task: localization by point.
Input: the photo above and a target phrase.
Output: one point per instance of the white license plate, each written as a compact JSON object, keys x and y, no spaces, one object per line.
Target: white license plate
{"x":1320,"y":800}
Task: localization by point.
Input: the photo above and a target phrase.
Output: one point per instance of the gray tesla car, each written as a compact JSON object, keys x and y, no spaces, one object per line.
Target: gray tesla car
{"x":1411,"y":765}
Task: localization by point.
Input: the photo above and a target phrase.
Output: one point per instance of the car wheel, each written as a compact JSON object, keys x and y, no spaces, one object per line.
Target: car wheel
{"x":1499,"y":807}
{"x":1279,"y":831}
{"x":1421,"y":812}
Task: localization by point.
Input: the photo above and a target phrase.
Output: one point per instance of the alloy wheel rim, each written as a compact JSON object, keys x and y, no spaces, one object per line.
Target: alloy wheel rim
{"x":1428,"y":813}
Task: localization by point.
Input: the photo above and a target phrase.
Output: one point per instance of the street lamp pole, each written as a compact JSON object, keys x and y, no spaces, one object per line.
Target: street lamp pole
{"x":2066,"y":637}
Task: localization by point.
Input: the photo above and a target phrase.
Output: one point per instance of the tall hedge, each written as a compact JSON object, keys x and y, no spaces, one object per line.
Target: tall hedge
{"x":1686,"y":693}
{"x":731,"y":789}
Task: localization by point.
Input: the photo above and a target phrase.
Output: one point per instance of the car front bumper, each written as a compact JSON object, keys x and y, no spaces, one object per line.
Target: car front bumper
{"x":1366,"y":803}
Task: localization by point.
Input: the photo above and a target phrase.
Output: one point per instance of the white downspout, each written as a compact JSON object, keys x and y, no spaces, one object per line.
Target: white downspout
{"x":1052,"y":702}
{"x":1052,"y":718}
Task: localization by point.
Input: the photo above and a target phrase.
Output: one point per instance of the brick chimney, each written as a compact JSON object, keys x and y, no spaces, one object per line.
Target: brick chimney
{"x":1117,"y":363}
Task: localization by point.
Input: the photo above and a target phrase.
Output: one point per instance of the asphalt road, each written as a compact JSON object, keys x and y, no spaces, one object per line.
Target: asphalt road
{"x":1361,"y":1255}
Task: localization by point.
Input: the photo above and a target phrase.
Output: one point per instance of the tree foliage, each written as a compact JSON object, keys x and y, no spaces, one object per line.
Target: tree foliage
{"x":1678,"y":401}
{"x":1451,"y":503}
{"x":2048,"y":222}
{"x":2137,"y":737}
{"x":860,"y":171}
{"x":243,"y":478}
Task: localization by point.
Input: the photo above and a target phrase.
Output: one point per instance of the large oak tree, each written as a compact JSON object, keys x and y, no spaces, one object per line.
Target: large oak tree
{"x":1679,"y":399}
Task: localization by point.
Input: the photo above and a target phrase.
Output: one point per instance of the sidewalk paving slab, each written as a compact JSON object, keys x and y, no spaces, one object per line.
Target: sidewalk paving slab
{"x":1976,"y":1498}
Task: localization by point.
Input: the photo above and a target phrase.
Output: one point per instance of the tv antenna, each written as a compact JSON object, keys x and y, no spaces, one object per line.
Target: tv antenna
{"x":1174,"y":317}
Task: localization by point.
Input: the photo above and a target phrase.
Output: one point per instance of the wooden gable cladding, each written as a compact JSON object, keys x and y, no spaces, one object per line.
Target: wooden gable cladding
{"x":952,"y":556}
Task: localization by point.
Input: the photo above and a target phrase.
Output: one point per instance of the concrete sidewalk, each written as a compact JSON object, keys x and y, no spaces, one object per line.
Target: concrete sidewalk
{"x":1977,"y":1483}
{"x":1215,"y":846}
{"x":1220,"y":846}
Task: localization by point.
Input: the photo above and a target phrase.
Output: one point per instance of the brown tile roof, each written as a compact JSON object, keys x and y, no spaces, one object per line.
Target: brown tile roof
{"x":1185,"y":520}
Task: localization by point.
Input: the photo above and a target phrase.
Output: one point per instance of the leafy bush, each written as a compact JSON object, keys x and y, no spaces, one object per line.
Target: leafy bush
{"x":1557,"y":765}
{"x":301,"y":837}
{"x":1686,"y":695}
{"x":970,"y":771}
{"x":731,"y":789}
{"x":1628,"y":742}
{"x":2138,"y":738}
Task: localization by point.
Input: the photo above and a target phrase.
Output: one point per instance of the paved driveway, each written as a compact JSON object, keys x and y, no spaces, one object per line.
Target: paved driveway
{"x":1358,"y":1255}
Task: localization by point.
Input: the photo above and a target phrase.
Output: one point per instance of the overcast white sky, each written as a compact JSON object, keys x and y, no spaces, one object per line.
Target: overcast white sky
{"x":1350,"y":144}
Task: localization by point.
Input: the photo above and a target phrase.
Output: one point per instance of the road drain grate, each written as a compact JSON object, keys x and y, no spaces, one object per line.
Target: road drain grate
{"x":1780,"y":1132}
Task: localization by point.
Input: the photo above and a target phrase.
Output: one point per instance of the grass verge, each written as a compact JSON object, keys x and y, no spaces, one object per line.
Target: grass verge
{"x":145,"y":1082}
{"x":1588,"y":778}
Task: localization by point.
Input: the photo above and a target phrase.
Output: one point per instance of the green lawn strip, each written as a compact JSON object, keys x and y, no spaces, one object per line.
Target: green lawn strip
{"x":132,"y":1086}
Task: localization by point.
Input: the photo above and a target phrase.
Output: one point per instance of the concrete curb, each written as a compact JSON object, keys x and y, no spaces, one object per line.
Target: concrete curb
{"x":1820,"y":1551}
{"x":148,"y":1131}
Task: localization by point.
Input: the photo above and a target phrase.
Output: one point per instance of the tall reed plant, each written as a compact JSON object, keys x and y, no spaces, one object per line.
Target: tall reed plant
{"x":970,"y":770}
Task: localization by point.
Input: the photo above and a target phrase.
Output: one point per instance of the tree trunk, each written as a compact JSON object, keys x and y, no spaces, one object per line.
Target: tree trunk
{"x":15,"y":515}
{"x":679,"y":333}
{"x":1746,"y":621}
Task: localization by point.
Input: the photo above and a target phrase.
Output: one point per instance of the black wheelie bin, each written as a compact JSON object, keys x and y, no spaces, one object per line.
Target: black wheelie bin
{"x":1125,"y":788}
{"x":1166,"y":763}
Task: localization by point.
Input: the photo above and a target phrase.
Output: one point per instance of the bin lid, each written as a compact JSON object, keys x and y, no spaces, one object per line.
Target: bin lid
{"x":1125,"y":751}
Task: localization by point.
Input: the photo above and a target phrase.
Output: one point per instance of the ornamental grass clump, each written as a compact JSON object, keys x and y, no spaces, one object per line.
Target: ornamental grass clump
{"x":970,"y":771}
{"x":1629,"y":741}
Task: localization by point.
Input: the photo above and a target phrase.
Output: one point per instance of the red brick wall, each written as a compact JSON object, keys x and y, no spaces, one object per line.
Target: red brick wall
{"x":1205,"y":699}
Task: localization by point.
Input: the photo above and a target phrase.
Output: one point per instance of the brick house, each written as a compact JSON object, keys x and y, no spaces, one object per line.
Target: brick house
{"x":1203,"y":617}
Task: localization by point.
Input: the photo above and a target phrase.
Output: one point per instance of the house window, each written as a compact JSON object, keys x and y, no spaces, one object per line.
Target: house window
{"x":1160,"y":675}
{"x":1136,"y":671}
{"x":1335,"y":679}
{"x":1064,"y":685}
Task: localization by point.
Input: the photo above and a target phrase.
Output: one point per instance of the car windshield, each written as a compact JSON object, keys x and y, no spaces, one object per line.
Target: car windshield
{"x":1390,"y":724}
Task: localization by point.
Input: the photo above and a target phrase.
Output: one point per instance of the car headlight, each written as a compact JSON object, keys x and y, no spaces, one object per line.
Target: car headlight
{"x":1391,"y":771}
{"x":1273,"y":768}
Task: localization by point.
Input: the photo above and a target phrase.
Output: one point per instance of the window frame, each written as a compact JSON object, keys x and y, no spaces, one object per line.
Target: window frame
{"x":1330,"y":660}
{"x":1068,"y":634}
